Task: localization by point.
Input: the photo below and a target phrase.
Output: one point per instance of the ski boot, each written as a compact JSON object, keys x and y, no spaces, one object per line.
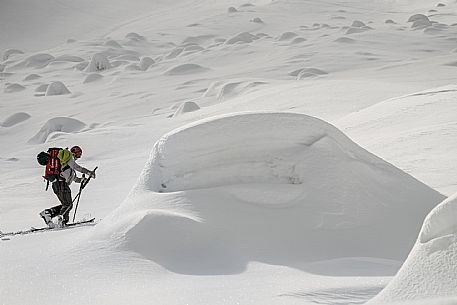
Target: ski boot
{"x":59,"y":221}
{"x":47,"y":218}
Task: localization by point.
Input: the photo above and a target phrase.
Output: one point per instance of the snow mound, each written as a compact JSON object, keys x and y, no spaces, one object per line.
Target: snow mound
{"x":59,"y":124}
{"x":15,"y":119}
{"x":112,"y":43}
{"x":244,"y":37}
{"x":11,"y":88}
{"x":37,"y":61}
{"x":345,"y":40}
{"x":10,"y":52}
{"x":298,"y":40}
{"x":279,"y":188}
{"x":69,"y":58}
{"x":232,"y":10}
{"x":186,"y":107}
{"x":42,"y":88}
{"x":225,"y":90}
{"x":92,"y":78}
{"x":419,"y":21}
{"x":256,"y":20}
{"x":56,"y":88}
{"x":358,"y":27}
{"x":197,"y":39}
{"x":186,"y":69}
{"x":135,"y":37}
{"x":99,"y":62}
{"x":287,"y":36}
{"x":247,"y":5}
{"x":307,"y":72}
{"x":32,"y":76}
{"x":430,"y":270}
{"x":145,"y":63}
{"x":417,"y":17}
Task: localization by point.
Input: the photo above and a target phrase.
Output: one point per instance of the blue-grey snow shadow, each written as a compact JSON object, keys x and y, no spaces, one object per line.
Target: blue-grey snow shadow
{"x":225,"y":241}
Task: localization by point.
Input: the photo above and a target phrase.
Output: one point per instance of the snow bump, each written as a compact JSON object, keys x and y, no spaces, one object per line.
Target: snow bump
{"x":56,"y":88}
{"x":58,"y":124}
{"x":186,"y":69}
{"x":15,"y":119}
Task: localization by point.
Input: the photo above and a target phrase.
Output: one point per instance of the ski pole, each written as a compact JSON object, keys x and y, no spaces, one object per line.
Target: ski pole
{"x":82,"y":186}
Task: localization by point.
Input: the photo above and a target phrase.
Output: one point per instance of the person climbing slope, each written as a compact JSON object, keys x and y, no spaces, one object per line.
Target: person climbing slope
{"x":63,"y":175}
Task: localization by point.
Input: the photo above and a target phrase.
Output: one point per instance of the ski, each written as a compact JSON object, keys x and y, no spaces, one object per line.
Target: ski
{"x":33,"y":230}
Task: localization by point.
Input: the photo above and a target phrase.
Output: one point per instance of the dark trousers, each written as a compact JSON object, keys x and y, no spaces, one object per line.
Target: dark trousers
{"x":63,"y":192}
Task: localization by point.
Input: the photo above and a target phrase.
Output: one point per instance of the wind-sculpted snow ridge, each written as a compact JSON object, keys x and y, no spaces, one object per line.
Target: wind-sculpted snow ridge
{"x":430,"y":272}
{"x":279,"y":188}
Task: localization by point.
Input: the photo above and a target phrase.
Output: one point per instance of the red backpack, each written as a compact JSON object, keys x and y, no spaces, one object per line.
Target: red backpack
{"x":52,"y":163}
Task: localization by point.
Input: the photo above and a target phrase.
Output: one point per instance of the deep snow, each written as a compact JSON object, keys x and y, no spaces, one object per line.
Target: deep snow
{"x":232,"y":209}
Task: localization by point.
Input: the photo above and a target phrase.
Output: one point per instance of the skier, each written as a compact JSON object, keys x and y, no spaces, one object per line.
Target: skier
{"x":61,"y":185}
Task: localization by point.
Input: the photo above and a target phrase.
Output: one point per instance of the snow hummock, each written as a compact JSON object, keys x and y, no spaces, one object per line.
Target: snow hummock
{"x":58,"y":124}
{"x":37,"y":61}
{"x":186,"y":107}
{"x":430,"y":272}
{"x":92,"y":77}
{"x":145,"y":63}
{"x":311,"y":192}
{"x":244,"y":37}
{"x":11,"y":88}
{"x":10,"y":52}
{"x":185,"y":69}
{"x":99,"y":62}
{"x":56,"y":88}
{"x":15,"y":119}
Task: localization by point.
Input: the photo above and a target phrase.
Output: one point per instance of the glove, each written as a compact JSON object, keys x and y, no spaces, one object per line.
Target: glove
{"x":81,"y":180}
{"x":91,"y":174}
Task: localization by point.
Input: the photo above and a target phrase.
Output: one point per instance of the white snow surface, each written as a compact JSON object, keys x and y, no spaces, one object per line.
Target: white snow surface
{"x":288,"y":161}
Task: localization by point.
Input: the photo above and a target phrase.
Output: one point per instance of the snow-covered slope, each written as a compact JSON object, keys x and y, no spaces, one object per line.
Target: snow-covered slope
{"x":35,"y":25}
{"x":417,"y":131}
{"x":243,"y":199}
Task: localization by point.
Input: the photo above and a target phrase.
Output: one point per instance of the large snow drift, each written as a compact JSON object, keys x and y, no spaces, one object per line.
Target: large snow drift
{"x":430,"y":270}
{"x":279,"y":188}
